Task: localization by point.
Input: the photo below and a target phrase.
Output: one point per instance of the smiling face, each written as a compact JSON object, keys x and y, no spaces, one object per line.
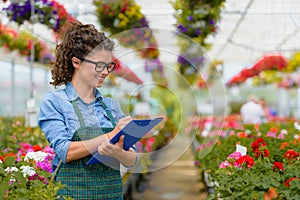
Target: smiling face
{"x":85,"y":73}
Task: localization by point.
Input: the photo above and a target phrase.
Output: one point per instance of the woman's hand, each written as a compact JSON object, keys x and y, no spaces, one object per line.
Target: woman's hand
{"x":121,"y":124}
{"x":127,"y":158}
{"x":113,"y":150}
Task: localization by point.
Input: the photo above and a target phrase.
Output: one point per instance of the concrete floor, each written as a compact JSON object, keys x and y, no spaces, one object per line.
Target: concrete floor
{"x":180,"y":180}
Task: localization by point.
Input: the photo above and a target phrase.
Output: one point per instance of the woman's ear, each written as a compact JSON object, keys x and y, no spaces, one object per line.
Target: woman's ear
{"x":76,"y":62}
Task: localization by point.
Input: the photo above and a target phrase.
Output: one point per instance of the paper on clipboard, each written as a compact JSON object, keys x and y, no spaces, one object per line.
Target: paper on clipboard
{"x":133,"y":132}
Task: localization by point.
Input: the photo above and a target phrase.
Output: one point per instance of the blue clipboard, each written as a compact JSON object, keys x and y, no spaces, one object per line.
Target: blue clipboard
{"x":133,"y":132}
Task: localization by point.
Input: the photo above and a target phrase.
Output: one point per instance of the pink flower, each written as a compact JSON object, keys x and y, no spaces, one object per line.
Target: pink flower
{"x":281,"y":136}
{"x":196,"y":163}
{"x":46,"y":166}
{"x":236,"y":155}
{"x":225,"y":164}
{"x":271,"y":134}
{"x":151,"y":140}
{"x":231,"y":133}
{"x":48,"y":149}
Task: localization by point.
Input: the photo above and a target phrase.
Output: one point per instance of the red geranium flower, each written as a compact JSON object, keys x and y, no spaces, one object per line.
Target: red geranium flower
{"x":266,"y":153}
{"x":258,"y":143}
{"x":278,"y":165}
{"x":287,"y":182}
{"x":258,"y":148}
{"x":291,"y":154}
{"x":37,"y":148}
{"x":246,"y":159}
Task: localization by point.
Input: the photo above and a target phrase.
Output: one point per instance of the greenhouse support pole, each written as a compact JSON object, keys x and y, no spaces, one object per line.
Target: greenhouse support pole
{"x":13,"y":87}
{"x":32,"y":49}
{"x":31,"y":114}
{"x":298,"y":104}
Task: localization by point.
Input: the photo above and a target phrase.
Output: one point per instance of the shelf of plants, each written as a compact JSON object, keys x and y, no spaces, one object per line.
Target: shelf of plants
{"x":266,"y":167}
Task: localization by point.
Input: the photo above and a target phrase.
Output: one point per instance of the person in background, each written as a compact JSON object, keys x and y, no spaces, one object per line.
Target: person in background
{"x":78,"y":121}
{"x":252,"y":112}
{"x":267,"y":110}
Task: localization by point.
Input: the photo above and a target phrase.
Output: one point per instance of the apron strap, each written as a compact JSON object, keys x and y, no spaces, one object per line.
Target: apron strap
{"x":80,"y":117}
{"x":78,"y":113}
{"x":108,"y":112}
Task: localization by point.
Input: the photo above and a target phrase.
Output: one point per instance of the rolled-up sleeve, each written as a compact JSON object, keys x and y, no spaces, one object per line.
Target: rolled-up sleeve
{"x":52,"y":122}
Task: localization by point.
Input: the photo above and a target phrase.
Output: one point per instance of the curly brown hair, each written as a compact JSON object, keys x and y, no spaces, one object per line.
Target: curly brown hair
{"x":78,"y":40}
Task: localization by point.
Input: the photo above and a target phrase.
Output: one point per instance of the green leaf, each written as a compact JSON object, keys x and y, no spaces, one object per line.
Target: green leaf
{"x":9,"y":161}
{"x":4,"y":186}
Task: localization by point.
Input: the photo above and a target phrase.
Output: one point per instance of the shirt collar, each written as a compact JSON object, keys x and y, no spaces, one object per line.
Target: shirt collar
{"x":98,"y":95}
{"x":72,"y":94}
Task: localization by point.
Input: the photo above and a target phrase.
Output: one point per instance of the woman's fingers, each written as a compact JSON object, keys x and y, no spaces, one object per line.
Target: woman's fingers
{"x":124,"y":121}
{"x":109,"y":149}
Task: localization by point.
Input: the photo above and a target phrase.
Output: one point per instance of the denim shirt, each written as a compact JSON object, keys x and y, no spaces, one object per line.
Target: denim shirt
{"x":58,"y":120}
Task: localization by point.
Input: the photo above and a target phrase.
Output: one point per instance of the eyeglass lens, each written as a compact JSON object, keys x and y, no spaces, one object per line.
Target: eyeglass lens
{"x":101,"y":66}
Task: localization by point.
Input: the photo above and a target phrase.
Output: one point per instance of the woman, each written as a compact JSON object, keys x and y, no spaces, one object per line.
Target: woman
{"x":78,"y":121}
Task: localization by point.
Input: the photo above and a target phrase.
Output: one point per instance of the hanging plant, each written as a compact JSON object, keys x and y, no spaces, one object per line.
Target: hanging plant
{"x":21,"y":42}
{"x":294,"y":63}
{"x":267,"y":77}
{"x":125,"y":17}
{"x":197,"y":20}
{"x":49,"y":13}
{"x":264,"y":71}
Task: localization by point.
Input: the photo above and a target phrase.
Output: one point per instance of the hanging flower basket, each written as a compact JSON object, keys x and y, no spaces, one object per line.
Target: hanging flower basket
{"x":125,"y":20}
{"x":197,"y":20}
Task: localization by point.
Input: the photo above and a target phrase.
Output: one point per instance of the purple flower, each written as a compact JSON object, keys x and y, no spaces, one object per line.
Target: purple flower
{"x":190,"y":18}
{"x":56,"y":26}
{"x":182,"y":28}
{"x":197,"y":31}
{"x":182,"y":60}
{"x":139,"y":146}
{"x":144,"y":22}
{"x":211,"y":22}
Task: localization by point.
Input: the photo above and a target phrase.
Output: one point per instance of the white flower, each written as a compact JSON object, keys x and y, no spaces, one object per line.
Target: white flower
{"x":11,"y":169}
{"x":283,"y":131}
{"x":37,"y":156}
{"x":297,"y":126}
{"x":27,"y":170}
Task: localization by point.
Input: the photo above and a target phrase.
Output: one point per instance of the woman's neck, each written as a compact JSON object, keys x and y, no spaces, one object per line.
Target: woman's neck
{"x":85,"y":93}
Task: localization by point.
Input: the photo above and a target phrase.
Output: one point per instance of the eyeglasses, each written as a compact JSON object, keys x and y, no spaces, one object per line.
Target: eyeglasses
{"x":100,"y":66}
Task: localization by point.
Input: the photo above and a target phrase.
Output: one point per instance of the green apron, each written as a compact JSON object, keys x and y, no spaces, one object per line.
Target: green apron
{"x":84,"y":181}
